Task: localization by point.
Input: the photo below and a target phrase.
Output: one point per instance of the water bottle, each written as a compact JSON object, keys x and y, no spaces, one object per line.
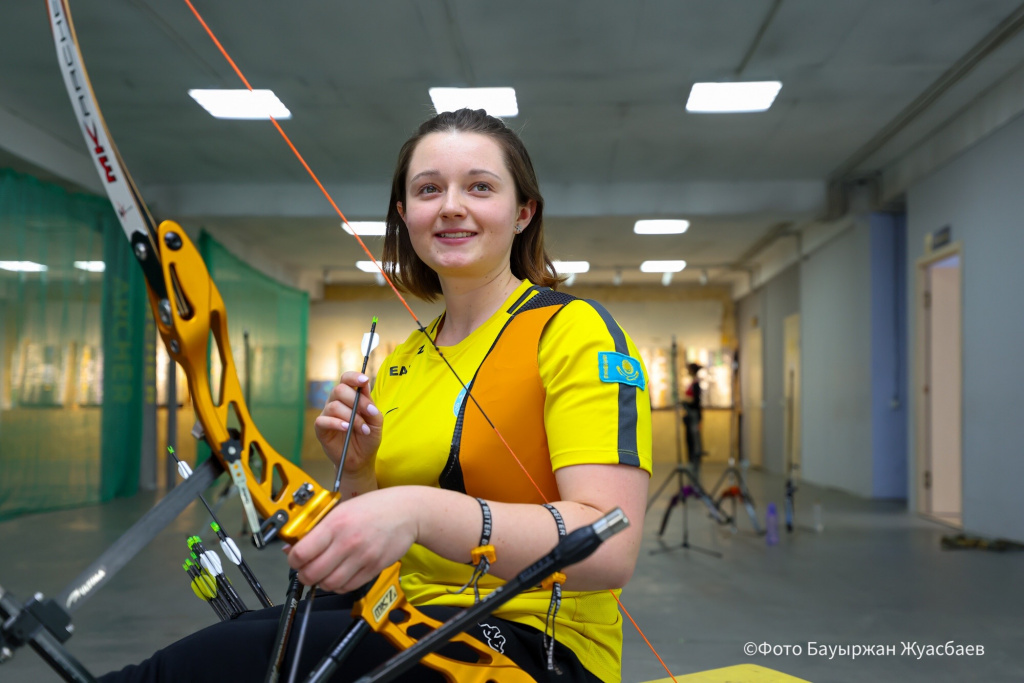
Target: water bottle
{"x":771,"y":523}
{"x":819,"y":521}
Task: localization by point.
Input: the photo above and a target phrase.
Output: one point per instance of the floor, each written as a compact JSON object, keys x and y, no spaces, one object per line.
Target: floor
{"x":873,"y":576}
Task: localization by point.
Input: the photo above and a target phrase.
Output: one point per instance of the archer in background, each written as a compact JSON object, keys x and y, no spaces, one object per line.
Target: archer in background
{"x":426,"y":480}
{"x":692,"y":418}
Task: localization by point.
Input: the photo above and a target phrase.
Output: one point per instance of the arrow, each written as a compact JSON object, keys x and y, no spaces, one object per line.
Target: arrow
{"x":227,"y":544}
{"x":211,"y":563}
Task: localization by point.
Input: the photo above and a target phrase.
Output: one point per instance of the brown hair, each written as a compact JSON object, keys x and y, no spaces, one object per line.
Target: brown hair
{"x":528,"y":260}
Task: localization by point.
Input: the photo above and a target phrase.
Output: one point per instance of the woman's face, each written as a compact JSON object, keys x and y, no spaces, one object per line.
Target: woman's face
{"x":461,"y":208}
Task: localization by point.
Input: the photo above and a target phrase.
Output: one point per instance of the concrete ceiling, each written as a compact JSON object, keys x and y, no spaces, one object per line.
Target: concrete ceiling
{"x":601,"y":87}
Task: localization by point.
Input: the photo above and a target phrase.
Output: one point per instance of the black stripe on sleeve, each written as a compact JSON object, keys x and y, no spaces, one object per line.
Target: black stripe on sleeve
{"x":627,"y":421}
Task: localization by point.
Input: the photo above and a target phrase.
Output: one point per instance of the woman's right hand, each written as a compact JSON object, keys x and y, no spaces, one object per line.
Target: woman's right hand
{"x":333,"y":423}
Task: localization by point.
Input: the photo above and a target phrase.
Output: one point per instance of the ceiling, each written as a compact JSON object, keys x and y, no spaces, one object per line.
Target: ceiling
{"x":601,"y":86}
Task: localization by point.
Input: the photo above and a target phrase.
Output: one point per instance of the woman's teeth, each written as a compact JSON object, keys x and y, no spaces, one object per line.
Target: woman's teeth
{"x":454,"y":235}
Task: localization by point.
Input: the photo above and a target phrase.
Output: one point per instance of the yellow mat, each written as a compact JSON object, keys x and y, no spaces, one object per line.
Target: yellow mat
{"x":741,"y":673}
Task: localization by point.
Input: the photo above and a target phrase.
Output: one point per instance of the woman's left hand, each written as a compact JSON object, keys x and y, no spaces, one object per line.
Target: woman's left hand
{"x":356,"y":540}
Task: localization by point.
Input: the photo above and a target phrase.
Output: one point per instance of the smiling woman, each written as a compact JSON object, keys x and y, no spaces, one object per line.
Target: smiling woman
{"x":505,"y":170}
{"x":466,"y":488}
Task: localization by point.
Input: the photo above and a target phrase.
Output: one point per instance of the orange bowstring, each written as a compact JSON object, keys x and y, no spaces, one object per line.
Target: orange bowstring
{"x":366,"y":249}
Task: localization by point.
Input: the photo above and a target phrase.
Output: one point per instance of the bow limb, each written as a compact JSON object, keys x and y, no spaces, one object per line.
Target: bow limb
{"x":187,"y":308}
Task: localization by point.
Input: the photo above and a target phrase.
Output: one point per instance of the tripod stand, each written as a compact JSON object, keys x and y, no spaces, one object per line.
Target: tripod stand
{"x":736,"y":490}
{"x":683,"y":473}
{"x":694,"y":490}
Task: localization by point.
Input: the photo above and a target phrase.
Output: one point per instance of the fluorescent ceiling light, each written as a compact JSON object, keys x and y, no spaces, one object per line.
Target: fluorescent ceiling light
{"x":569,"y":267}
{"x":23,"y":266}
{"x":241,"y":104}
{"x":661,"y":227}
{"x":91,"y":266}
{"x":497,"y":101}
{"x":369,"y":266}
{"x":372,"y":228}
{"x":732,"y":97}
{"x":662,"y":266}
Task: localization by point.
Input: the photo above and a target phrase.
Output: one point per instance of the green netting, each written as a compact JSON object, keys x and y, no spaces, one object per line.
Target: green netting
{"x":276,"y":318}
{"x":70,"y":349}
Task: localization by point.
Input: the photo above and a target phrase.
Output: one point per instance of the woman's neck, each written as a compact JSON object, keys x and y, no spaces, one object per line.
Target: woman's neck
{"x":468,"y":304}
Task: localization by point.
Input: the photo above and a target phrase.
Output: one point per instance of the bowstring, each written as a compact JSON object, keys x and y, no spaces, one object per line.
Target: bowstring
{"x":404,"y":303}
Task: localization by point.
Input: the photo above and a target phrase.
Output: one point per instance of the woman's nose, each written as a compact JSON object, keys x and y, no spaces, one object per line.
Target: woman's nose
{"x":453,"y":205}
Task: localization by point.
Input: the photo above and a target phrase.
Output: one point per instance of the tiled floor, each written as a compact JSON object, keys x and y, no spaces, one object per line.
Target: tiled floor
{"x":875,"y":576}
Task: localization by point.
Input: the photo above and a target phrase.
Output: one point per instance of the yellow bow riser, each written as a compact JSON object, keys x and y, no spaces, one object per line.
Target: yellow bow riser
{"x":385,"y":609}
{"x":195,"y":310}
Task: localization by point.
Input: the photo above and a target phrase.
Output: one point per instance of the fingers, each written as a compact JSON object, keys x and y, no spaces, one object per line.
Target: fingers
{"x":343,"y":397}
{"x":333,"y":565}
{"x":337,"y":419}
{"x":338,"y":583}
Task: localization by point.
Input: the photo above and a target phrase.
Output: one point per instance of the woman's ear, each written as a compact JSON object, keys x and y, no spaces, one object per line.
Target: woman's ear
{"x":526,"y":212}
{"x":401,"y":210}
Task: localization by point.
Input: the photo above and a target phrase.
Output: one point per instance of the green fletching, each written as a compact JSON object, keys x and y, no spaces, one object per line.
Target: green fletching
{"x":215,"y":527}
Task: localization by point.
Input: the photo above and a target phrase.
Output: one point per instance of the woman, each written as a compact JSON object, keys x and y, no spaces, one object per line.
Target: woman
{"x":563,"y":385}
{"x":693,"y":417}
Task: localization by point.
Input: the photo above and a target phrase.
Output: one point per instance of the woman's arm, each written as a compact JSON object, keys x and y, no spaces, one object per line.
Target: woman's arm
{"x":366,"y":534}
{"x":524,"y":533}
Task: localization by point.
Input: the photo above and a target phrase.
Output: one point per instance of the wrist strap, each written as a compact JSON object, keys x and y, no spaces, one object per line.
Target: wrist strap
{"x":482,"y":556}
{"x":554,"y":583}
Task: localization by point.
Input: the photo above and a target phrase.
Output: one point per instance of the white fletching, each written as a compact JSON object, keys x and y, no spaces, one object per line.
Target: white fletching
{"x":211,"y":562}
{"x":370,"y":343}
{"x":184,"y":470}
{"x":231,"y":550}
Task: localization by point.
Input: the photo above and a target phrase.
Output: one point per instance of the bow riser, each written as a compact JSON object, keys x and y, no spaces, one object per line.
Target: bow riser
{"x":385,"y":609}
{"x":186,"y":320}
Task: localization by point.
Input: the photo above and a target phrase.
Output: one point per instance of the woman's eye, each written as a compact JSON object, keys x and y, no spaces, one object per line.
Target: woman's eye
{"x":428,"y":189}
{"x":481,"y":187}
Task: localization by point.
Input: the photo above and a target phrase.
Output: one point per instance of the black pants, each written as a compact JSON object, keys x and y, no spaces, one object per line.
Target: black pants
{"x":239,"y":650}
{"x":694,"y":443}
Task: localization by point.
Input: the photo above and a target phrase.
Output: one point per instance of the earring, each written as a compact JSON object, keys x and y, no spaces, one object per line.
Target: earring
{"x":519,"y":228}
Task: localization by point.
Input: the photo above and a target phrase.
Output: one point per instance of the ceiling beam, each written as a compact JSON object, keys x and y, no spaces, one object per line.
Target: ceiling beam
{"x":367,"y":200}
{"x":1003,"y":32}
{"x":27,"y":141}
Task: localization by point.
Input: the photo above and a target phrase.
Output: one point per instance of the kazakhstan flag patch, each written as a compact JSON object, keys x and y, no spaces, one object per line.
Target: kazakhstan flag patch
{"x":620,"y":368}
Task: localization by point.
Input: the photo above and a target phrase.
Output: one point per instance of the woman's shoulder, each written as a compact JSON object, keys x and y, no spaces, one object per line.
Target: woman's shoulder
{"x":588,"y":319}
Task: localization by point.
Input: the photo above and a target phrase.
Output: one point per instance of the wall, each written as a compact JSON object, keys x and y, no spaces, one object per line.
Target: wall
{"x":888,"y":356}
{"x":835,"y":333}
{"x":651,"y":315}
{"x":698,"y":317}
{"x":750,"y":317}
{"x":781,"y":299}
{"x":978,"y":195}
{"x":339,"y":321}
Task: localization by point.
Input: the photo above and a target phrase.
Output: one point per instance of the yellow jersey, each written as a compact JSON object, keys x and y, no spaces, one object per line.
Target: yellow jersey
{"x":564,"y":384}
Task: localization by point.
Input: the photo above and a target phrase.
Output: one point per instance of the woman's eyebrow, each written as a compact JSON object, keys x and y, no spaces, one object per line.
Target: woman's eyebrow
{"x":422,"y":174}
{"x":430,"y":173}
